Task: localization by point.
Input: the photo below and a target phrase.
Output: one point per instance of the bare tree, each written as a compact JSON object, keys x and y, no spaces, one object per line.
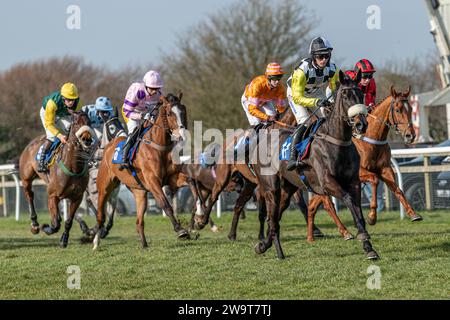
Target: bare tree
{"x":217,"y":58}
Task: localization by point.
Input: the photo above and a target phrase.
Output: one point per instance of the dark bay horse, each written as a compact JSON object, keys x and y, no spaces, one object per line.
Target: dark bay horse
{"x":332,"y":167}
{"x":66,"y":179}
{"x":375,"y":153}
{"x":225,"y":172}
{"x":154,"y":167}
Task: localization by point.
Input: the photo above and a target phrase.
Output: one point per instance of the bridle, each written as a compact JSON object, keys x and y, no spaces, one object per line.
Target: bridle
{"x":392,"y":122}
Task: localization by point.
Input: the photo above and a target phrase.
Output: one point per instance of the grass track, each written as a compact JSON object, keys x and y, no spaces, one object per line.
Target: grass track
{"x":415,"y":262}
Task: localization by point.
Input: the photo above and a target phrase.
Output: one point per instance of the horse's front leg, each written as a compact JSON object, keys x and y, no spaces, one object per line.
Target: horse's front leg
{"x":245,"y":195}
{"x":163,"y":203}
{"x":387,"y":175}
{"x":223,"y":173}
{"x":68,"y":223}
{"x":352,"y":200}
{"x":53,"y":202}
{"x":271,"y":192}
{"x":369,"y":177}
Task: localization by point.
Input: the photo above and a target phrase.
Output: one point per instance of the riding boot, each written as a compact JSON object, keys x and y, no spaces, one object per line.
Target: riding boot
{"x":42,"y":165}
{"x":126,"y":148}
{"x":296,"y":138}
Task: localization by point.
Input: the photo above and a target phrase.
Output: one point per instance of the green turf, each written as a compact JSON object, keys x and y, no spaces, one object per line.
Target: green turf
{"x":414,"y":264}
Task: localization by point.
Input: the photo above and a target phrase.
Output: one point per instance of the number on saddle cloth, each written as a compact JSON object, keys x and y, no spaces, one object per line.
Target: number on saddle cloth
{"x":303,"y":146}
{"x":50,"y":152}
{"x":117,"y":156}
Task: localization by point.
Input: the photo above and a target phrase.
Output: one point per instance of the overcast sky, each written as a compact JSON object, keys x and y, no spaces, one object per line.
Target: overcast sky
{"x":119,"y":33}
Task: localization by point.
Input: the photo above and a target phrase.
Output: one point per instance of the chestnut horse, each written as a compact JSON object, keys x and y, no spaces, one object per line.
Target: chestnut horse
{"x":153,"y":164}
{"x":375,"y":153}
{"x":66,"y":179}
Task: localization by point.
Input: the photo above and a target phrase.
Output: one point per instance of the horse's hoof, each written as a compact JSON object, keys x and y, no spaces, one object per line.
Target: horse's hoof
{"x":103,"y":233}
{"x":318,"y":234}
{"x":371,"y":220}
{"x":86,"y":239}
{"x":47,"y":229}
{"x":35,"y":229}
{"x":281,"y":256}
{"x":416,"y":217}
{"x":63,"y":244}
{"x":232,"y":237}
{"x":363,"y":236}
{"x":310,"y":240}
{"x":183,"y":234}
{"x":260,"y":248}
{"x":348,"y":236}
{"x":214,"y":229}
{"x":372,"y":255}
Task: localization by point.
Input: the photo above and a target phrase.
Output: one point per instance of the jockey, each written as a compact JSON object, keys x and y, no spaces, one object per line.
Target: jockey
{"x":99,"y":113}
{"x":55,"y":112}
{"x":263,"y":99}
{"x":367,"y":83}
{"x":310,"y":86}
{"x":265,"y":96}
{"x":141,"y":97}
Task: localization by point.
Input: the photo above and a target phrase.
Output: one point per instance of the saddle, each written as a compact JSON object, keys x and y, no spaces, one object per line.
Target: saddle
{"x":136,"y":140}
{"x":304,"y":145}
{"x":50,"y":155}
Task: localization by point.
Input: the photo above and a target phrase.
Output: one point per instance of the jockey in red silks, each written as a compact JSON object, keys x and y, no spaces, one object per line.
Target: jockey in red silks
{"x":367,"y":83}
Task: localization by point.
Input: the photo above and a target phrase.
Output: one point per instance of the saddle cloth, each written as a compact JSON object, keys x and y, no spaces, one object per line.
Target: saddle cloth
{"x":50,"y":152}
{"x":303,"y":146}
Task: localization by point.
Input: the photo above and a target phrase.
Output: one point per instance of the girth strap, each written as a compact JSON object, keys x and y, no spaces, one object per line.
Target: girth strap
{"x":335,"y":141}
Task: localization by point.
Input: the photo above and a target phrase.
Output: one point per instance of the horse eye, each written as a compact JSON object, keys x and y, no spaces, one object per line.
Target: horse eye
{"x":397,"y":110}
{"x":112,"y":128}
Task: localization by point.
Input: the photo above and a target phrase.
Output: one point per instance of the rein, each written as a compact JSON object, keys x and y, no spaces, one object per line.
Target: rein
{"x":149,"y":141}
{"x":387,"y":123}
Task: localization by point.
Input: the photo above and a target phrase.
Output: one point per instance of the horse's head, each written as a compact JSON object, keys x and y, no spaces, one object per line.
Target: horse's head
{"x":400,"y":115}
{"x":349,"y":98}
{"x":113,"y":127}
{"x":176,"y":116}
{"x":80,"y":130}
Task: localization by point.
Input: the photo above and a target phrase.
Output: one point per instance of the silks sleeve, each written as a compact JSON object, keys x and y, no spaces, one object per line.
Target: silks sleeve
{"x":49,"y":117}
{"x":298,"y":90}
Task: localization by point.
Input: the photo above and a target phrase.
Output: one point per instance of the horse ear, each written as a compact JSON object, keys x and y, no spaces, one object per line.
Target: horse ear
{"x":393,"y":92}
{"x":164,"y":100}
{"x":116,"y":112}
{"x":180,"y":96}
{"x":406,"y":94}
{"x":358,"y":76}
{"x":342,"y":78}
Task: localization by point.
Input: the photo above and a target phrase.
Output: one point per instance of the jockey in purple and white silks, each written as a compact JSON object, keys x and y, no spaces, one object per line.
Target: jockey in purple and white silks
{"x":141,"y":97}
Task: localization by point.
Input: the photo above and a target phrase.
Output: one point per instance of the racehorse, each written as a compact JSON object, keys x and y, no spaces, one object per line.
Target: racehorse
{"x":112,"y":128}
{"x":67,"y":179}
{"x":225,"y":172}
{"x":153,"y":165}
{"x":375,"y":153}
{"x":332,"y":166}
